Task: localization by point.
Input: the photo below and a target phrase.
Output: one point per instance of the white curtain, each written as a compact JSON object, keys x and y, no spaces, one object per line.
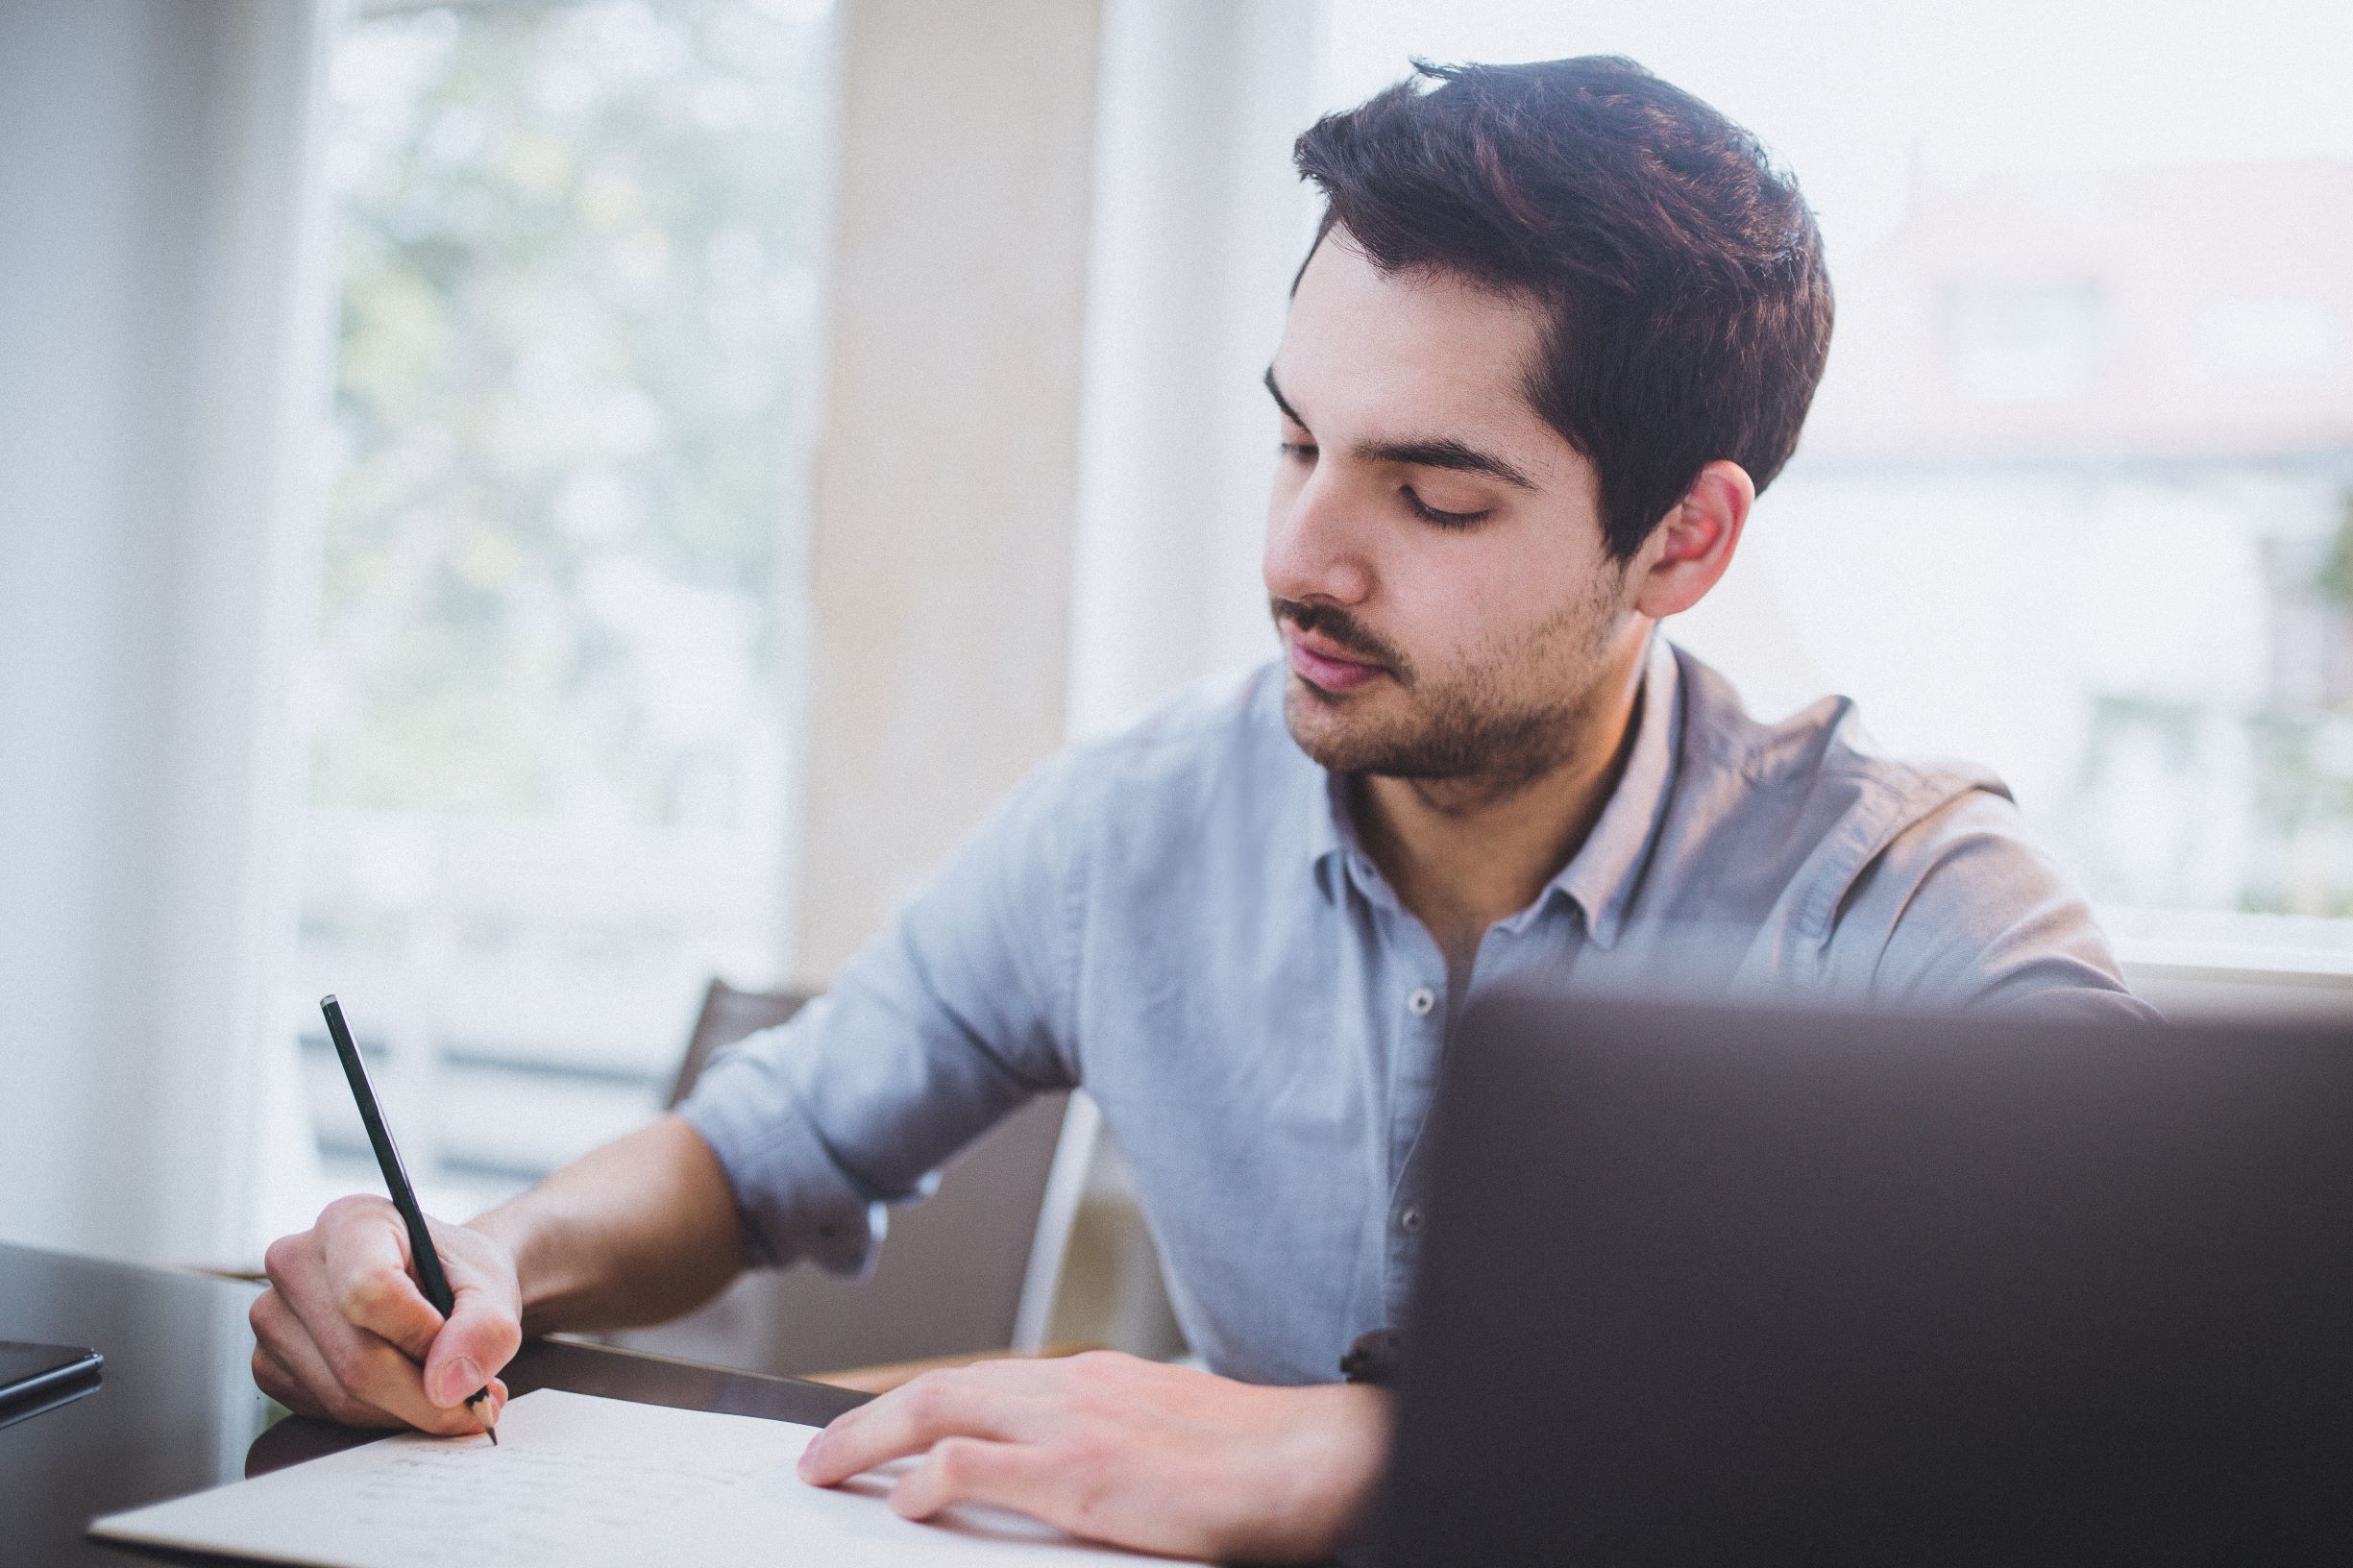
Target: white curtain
{"x":162,"y":307}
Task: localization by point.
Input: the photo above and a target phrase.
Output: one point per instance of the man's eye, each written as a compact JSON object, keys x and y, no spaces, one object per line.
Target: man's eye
{"x":1431,"y":514}
{"x":1301,"y":450}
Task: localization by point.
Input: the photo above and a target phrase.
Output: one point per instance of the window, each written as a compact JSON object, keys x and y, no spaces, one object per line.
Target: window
{"x":2077,"y":499}
{"x":2023,"y":342}
{"x":549,"y":761}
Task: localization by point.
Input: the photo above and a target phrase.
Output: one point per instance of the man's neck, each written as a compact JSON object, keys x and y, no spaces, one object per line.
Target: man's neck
{"x":1463,"y":854}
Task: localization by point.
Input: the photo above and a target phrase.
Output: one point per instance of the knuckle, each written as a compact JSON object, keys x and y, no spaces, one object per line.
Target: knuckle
{"x":957,"y":1460}
{"x":284,"y":1257}
{"x":368,"y":1296}
{"x":348,"y":1208}
{"x":1093,"y":1378}
{"x":272,"y":1321}
{"x":924,"y":1396}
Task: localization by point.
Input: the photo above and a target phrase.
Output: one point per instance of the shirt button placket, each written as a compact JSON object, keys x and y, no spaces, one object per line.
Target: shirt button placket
{"x":1421,"y":1002}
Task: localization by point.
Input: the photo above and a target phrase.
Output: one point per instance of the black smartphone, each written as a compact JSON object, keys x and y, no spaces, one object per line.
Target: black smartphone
{"x":27,"y":1372}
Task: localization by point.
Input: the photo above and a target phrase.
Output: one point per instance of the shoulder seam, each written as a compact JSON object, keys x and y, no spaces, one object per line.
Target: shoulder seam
{"x":1891,"y":812}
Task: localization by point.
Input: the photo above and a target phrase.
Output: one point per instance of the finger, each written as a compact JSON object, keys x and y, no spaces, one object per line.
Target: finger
{"x":300,"y":1367}
{"x":1018,"y":1476}
{"x":907,"y":1420}
{"x":326,"y":1402}
{"x":481,"y":1337}
{"x":271,"y":1376}
{"x":361,"y":1366}
{"x":367,"y":1269}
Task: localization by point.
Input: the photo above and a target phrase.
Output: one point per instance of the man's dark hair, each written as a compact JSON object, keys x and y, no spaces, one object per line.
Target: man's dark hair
{"x":1680,"y":272}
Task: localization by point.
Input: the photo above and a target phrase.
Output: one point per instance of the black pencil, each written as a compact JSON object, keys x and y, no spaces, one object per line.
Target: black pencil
{"x":436,"y":1283}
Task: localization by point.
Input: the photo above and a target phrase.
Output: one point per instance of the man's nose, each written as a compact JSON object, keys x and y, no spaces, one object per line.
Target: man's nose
{"x":1314,"y":548}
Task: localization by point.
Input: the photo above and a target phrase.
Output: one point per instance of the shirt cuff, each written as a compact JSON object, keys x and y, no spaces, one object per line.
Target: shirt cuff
{"x":795,"y":1199}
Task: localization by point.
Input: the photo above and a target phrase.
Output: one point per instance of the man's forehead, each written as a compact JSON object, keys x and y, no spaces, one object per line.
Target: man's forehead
{"x":1389,"y":353}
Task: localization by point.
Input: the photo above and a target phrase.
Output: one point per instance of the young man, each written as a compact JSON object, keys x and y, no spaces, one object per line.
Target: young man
{"x":1562,"y":322}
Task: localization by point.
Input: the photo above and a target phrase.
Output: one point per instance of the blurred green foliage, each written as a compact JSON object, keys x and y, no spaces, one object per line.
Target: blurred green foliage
{"x":576,"y":245}
{"x":2336,"y":578}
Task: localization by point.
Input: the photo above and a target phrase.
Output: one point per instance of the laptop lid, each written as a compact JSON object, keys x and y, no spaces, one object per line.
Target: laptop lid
{"x":1704,"y":1284}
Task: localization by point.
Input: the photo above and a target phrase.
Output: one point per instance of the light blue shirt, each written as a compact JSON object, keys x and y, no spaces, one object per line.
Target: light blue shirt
{"x":1181,"y":920}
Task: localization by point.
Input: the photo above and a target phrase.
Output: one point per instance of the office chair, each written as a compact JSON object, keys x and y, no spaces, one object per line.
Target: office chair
{"x":972,"y":1268}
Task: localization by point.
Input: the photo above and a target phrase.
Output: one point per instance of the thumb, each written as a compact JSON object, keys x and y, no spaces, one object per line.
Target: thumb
{"x":481,"y":1337}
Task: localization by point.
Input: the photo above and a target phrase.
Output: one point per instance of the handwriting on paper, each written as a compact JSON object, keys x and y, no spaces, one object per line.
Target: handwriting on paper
{"x":578,"y":1482}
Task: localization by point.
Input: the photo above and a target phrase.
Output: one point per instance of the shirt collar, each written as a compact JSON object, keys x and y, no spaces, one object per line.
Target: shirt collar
{"x":1331,"y":838}
{"x":1603,"y":874}
{"x":1600,"y":878}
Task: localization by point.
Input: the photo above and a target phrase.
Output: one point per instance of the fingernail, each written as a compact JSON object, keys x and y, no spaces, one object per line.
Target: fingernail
{"x":808,"y":1459}
{"x":460,"y":1377}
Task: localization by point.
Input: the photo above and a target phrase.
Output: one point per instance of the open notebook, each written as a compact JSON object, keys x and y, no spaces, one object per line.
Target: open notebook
{"x":577,"y":1482}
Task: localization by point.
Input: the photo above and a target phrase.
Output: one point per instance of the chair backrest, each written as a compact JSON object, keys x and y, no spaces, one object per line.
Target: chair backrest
{"x":729,"y":1016}
{"x":970,"y":1268}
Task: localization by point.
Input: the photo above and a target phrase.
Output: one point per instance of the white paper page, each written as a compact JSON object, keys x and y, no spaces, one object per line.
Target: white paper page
{"x":577,"y":1482}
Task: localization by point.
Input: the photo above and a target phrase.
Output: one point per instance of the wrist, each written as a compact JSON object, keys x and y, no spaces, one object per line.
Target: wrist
{"x":510,"y":1237}
{"x":1357,"y":1455}
{"x":1333,"y":1473}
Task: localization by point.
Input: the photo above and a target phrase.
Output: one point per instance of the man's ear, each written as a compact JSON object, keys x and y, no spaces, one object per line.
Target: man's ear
{"x":1694,"y":542}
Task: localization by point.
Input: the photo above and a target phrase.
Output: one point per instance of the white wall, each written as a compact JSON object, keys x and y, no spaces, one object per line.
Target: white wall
{"x":159,"y":340}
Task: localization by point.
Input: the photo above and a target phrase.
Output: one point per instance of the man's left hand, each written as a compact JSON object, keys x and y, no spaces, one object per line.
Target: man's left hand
{"x":1127,"y":1451}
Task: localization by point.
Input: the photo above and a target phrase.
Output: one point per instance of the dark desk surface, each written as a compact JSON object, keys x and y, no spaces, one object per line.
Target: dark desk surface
{"x":177,"y":1411}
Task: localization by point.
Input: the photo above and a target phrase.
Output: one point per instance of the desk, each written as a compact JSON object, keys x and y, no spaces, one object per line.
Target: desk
{"x":177,"y":1411}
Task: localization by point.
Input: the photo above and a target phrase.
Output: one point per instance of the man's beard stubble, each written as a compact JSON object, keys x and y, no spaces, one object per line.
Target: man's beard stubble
{"x":1469,"y":727}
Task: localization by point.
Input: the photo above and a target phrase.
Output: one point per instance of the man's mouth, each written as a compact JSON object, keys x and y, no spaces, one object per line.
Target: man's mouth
{"x":1319,"y":662}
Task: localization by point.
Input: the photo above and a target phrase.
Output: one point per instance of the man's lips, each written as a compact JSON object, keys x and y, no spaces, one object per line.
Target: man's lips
{"x":1318,"y":662}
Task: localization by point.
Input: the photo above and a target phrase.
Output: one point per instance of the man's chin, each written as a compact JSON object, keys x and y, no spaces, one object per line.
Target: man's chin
{"x":1334,"y":728}
{"x":1359,"y":732}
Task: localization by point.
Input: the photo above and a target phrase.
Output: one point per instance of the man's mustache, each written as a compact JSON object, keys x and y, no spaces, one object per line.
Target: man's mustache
{"x":1340,"y":628}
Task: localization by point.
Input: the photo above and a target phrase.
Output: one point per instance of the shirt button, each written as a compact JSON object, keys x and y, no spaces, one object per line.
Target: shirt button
{"x":1410,"y":1219}
{"x":1421,"y":1001}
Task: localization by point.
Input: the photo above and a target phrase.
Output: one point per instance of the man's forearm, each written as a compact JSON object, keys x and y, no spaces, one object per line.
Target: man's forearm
{"x":636,"y":1232}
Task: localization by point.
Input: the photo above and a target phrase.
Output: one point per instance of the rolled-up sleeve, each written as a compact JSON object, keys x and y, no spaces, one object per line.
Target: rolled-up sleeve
{"x":954,"y":1017}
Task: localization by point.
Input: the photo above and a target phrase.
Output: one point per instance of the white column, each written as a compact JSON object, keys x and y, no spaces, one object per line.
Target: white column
{"x":1200,"y":223}
{"x":161,"y":302}
{"x":940,"y":552}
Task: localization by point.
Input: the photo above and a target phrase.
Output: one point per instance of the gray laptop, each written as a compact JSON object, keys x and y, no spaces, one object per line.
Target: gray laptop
{"x":1705,"y":1285}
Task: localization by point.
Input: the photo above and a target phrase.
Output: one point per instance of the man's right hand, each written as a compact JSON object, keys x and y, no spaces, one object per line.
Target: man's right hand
{"x":344,"y":1332}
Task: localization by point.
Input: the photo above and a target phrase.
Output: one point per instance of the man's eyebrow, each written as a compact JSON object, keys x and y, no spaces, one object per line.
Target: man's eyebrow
{"x":1444,"y":452}
{"x":1280,"y":402}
